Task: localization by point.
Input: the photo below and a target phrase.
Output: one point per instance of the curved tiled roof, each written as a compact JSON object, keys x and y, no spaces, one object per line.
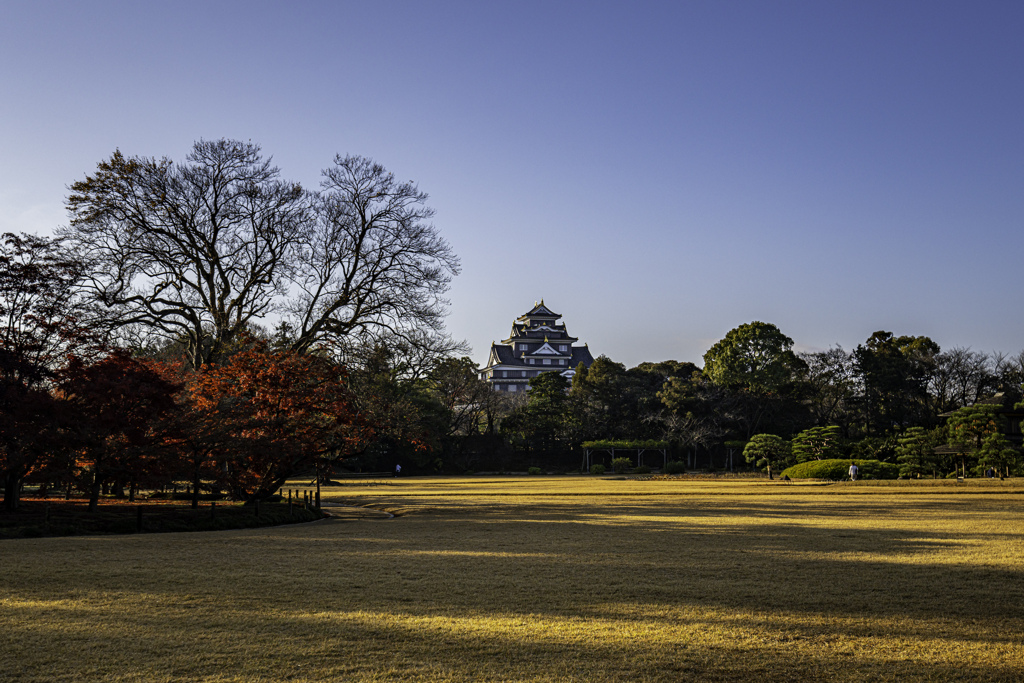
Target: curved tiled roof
{"x":508,"y":354}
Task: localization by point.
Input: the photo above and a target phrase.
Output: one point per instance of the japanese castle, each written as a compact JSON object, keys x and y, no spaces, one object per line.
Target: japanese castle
{"x":538,"y":343}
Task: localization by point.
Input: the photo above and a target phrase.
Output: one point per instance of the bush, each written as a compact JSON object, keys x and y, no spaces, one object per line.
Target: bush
{"x":641,"y":469}
{"x":837,"y":470}
{"x":675,"y":467}
{"x":597,"y":469}
{"x":621,"y":465}
{"x":534,"y":470}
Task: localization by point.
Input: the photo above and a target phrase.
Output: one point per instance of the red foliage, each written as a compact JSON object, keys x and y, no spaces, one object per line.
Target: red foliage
{"x":282,"y":411}
{"x":117,"y":405}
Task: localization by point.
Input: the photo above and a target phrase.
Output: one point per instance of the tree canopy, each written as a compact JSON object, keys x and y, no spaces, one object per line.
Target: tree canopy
{"x":756,"y":356}
{"x":198,"y":251}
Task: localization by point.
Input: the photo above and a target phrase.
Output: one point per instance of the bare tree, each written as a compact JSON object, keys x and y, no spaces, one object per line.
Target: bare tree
{"x":199,"y":251}
{"x":832,"y":380}
{"x":961,"y":378}
{"x":1010,"y":372}
{"x":370,"y":260}
{"x":193,"y":251}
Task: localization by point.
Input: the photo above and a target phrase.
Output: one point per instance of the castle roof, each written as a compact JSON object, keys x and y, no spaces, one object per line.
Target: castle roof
{"x":539,"y":311}
{"x":537,"y":336}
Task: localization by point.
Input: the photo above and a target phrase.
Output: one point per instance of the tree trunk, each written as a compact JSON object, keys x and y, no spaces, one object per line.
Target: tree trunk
{"x":12,"y":487}
{"x":770,"y":477}
{"x":195,"y":489}
{"x":94,"y":493}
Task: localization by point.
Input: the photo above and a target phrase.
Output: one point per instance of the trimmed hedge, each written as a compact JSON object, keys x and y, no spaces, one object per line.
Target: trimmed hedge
{"x":837,"y":470}
{"x":621,"y":465}
{"x":675,"y":467}
{"x":624,"y":445}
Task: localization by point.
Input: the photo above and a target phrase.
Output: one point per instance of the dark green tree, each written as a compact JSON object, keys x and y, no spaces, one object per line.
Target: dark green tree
{"x":915,"y":451}
{"x":756,"y":356}
{"x":895,"y":373}
{"x":539,"y":425}
{"x":611,"y":402}
{"x":767,"y":451}
{"x":998,"y":453}
{"x":817,"y":443}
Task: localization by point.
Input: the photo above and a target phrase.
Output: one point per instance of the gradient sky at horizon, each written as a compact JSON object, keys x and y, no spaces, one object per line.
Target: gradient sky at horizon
{"x":658,"y":172}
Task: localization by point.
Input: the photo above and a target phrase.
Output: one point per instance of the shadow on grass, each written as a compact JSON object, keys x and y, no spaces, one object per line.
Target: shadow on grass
{"x":546,"y":591}
{"x":194,"y":641}
{"x":37,"y":519}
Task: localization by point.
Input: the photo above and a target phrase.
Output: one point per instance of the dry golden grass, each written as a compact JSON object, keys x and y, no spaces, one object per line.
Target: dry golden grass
{"x":544,"y":578}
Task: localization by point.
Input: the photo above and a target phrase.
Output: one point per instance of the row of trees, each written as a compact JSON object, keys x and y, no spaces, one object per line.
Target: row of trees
{"x":134,"y":352}
{"x":833,"y":403}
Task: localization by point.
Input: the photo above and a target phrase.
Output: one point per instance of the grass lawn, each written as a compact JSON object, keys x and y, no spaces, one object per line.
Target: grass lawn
{"x":544,"y":578}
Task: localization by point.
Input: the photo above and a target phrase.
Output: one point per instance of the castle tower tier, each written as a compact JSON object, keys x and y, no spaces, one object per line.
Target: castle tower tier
{"x":538,"y":343}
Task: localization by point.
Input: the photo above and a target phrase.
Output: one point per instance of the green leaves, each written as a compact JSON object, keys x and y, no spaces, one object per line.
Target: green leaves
{"x":817,"y":443}
{"x":755,"y":356}
{"x":766,"y":451}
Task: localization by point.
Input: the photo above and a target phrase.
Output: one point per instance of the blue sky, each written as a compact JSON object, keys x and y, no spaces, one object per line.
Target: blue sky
{"x":658,"y":172}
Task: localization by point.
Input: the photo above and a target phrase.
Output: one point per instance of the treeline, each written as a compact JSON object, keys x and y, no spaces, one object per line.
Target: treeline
{"x":897,"y":399}
{"x":131,"y":352}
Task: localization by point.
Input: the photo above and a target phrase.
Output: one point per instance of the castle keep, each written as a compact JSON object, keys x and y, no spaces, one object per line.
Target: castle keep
{"x":538,"y":343}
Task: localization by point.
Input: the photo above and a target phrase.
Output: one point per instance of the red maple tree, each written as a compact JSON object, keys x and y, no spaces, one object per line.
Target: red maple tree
{"x":283,"y":411}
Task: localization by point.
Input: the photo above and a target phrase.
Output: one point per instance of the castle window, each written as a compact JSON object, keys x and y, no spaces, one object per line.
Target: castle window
{"x":563,"y":347}
{"x":547,"y":361}
{"x":511,"y":387}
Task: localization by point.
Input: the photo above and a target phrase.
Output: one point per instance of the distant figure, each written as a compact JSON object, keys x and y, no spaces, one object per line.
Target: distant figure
{"x":854,"y":471}
{"x":990,"y":473}
{"x":398,"y":470}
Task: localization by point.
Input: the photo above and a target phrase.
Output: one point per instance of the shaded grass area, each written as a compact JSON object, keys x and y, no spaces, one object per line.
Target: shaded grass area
{"x":538,"y":579}
{"x":37,"y":518}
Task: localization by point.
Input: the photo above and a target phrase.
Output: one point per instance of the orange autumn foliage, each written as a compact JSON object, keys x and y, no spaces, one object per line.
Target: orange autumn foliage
{"x":283,"y":411}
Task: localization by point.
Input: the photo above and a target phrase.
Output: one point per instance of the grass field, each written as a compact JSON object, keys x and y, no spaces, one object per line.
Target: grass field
{"x":544,"y":578}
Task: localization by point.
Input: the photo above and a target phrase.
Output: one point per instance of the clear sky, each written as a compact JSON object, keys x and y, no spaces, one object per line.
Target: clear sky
{"x":658,"y":172}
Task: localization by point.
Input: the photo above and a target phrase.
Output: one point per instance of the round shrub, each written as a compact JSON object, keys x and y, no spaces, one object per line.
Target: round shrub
{"x":621,"y":465}
{"x":533,"y":470}
{"x":641,"y":469}
{"x":675,"y":467}
{"x":597,"y":469}
{"x":837,"y":470}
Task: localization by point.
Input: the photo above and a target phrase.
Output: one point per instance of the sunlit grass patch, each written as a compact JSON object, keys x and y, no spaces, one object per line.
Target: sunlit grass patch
{"x":543,"y":578}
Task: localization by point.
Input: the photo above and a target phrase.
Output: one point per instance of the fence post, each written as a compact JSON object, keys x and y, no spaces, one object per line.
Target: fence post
{"x":213,"y":509}
{"x":138,"y":519}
